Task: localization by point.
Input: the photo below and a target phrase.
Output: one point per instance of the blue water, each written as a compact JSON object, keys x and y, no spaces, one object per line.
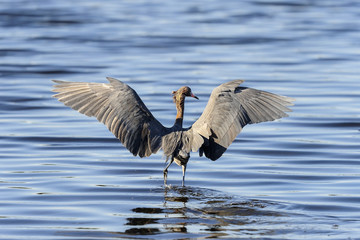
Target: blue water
{"x":64,"y":176}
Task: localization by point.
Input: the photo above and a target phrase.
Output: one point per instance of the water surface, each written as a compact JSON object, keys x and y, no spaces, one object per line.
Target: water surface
{"x":64,"y":176}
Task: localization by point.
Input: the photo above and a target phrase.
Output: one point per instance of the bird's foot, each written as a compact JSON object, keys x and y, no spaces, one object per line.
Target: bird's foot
{"x":183,"y":178}
{"x":165,"y":177}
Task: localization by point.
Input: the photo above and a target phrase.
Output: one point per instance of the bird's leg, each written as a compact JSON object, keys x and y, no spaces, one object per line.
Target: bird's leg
{"x":166,"y":170}
{"x":183,"y":170}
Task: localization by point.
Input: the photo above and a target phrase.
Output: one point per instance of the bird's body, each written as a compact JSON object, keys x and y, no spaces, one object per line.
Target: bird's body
{"x":118,"y":106}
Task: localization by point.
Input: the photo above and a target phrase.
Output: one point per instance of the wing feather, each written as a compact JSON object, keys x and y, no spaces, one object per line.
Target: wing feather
{"x":117,"y":106}
{"x":229,"y":109}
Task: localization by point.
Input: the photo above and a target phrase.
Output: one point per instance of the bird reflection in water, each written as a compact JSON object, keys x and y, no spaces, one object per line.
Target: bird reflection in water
{"x":166,"y":212}
{"x":199,"y":213}
{"x":212,"y":212}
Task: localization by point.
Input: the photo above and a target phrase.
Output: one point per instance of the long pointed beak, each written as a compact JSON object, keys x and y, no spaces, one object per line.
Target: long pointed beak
{"x":192,"y":95}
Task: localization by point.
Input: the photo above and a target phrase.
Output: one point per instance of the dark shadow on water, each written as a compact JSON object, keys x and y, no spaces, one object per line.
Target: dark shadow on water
{"x":191,"y":212}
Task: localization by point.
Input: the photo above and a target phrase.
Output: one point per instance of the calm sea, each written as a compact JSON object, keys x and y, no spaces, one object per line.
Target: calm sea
{"x":64,"y":176}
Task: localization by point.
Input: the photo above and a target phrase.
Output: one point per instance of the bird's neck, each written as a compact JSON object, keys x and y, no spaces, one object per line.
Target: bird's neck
{"x":180,"y":105}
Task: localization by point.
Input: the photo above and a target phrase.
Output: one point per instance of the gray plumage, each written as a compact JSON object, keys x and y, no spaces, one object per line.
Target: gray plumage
{"x":118,"y":106}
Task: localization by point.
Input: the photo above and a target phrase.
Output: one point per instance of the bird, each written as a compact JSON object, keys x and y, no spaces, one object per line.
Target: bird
{"x":229,"y":109}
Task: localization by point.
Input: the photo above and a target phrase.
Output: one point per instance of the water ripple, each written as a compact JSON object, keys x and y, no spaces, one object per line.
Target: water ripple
{"x":64,"y":176}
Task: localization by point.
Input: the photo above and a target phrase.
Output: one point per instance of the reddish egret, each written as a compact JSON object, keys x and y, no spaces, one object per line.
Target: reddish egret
{"x":119,"y":107}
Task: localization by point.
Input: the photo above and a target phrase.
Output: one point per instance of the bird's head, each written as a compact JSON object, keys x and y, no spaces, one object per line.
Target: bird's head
{"x":183,"y":92}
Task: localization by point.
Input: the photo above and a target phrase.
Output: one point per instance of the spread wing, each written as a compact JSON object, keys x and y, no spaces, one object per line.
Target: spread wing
{"x":119,"y":107}
{"x":229,"y":109}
